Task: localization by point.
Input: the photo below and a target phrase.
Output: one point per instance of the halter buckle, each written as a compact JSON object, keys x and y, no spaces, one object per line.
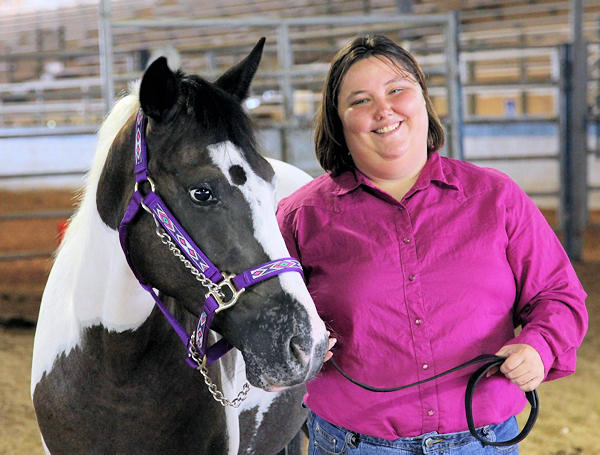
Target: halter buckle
{"x":231,"y":295}
{"x":136,"y":189}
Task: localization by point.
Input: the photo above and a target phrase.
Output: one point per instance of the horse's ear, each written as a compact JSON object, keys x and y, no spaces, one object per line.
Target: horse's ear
{"x":238,"y":78}
{"x":159,"y":91}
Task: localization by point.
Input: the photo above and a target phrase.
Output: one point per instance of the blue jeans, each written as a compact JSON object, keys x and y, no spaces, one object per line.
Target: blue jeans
{"x":328,"y":439}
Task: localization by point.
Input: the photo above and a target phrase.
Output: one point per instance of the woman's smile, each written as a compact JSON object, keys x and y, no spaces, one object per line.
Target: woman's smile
{"x":384,"y":118}
{"x":388,"y":129}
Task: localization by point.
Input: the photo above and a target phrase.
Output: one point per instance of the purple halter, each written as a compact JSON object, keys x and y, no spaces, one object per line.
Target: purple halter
{"x":198,"y":352}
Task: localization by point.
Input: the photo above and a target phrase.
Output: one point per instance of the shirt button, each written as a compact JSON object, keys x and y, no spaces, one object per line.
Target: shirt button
{"x":418,"y":321}
{"x":425,"y":366}
{"x":406,"y":240}
{"x":430,"y":412}
{"x":411,"y":278}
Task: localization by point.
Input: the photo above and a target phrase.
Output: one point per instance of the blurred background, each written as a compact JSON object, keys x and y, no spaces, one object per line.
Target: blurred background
{"x":517,"y":84}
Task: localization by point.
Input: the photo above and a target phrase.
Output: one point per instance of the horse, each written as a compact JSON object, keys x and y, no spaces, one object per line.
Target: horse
{"x":109,"y":373}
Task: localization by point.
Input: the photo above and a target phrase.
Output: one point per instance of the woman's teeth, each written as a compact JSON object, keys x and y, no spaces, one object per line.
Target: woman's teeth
{"x":387,"y":129}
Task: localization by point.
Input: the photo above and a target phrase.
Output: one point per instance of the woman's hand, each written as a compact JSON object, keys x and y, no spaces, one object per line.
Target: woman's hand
{"x":329,"y":353}
{"x":523,"y":366}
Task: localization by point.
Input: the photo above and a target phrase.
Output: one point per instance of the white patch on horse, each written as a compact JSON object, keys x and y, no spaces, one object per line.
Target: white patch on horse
{"x":44,"y":446}
{"x":261,"y":401}
{"x":91,"y":286}
{"x":233,"y":377}
{"x":260,"y":196}
{"x":288,"y":178}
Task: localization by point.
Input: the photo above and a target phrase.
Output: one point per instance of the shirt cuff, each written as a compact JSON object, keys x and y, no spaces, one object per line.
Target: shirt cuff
{"x":537,"y":342}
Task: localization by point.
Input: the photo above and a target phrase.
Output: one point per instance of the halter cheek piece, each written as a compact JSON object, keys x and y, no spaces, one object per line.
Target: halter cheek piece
{"x":223,"y":289}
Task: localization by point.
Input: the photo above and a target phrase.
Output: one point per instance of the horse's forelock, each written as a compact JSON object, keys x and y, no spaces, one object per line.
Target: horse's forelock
{"x":218,"y":113}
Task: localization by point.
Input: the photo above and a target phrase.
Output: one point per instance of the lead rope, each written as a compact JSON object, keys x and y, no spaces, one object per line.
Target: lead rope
{"x":206,"y":282}
{"x":493,"y":361}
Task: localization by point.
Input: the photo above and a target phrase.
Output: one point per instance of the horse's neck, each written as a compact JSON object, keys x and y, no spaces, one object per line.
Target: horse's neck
{"x":104,"y":288}
{"x":90,"y":284}
{"x":95,"y":287}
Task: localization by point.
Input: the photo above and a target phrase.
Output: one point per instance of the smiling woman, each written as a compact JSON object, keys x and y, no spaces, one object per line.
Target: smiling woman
{"x":384,"y":118}
{"x":419,"y":263}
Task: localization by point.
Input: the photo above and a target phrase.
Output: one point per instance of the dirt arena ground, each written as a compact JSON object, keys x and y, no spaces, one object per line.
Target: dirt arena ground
{"x":570,"y":408}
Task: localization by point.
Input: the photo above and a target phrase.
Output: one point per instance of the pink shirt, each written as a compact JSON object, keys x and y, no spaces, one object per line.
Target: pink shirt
{"x":413,"y":288}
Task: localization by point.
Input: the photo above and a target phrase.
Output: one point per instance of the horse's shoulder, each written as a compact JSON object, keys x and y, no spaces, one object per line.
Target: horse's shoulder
{"x":319,"y":193}
{"x":289,"y":178}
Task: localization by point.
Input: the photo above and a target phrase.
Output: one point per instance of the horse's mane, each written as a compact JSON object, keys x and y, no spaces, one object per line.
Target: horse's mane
{"x":123,"y":109}
{"x":114,"y":121}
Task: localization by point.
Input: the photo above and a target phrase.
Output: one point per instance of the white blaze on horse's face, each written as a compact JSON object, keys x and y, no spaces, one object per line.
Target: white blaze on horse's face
{"x":260,"y":196}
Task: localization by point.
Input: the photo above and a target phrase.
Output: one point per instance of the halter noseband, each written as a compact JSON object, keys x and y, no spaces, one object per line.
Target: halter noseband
{"x":182,"y":245}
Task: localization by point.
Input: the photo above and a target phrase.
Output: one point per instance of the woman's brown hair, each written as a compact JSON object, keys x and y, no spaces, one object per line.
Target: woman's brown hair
{"x":330,"y":145}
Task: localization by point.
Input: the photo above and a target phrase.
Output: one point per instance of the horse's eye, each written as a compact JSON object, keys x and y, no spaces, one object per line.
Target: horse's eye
{"x":202,"y":195}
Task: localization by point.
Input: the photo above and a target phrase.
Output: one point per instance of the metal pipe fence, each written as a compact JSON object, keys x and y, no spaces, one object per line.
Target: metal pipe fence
{"x":288,"y":76}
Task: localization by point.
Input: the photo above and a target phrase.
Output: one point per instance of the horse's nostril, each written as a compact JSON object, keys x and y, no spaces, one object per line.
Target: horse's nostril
{"x":296,"y":353}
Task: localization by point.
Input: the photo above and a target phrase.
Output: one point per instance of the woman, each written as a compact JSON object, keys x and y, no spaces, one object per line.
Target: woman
{"x":418,"y":263}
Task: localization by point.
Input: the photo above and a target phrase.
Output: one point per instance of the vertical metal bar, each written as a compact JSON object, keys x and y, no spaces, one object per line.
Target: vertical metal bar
{"x":596,"y":109}
{"x":578,"y":129}
{"x":471,"y":77}
{"x":285,"y":57}
{"x":573,"y":162}
{"x":565,"y":152}
{"x":454,"y":88}
{"x":39,"y":44}
{"x":105,"y":47}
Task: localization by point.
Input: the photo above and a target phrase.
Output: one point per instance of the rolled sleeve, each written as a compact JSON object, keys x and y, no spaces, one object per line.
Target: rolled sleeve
{"x":550,"y":303}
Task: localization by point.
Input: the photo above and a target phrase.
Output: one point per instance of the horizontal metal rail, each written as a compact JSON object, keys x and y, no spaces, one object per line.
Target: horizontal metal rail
{"x":9,"y":133}
{"x":276,"y":22}
{"x":59,"y":214}
{"x":549,"y":156}
{"x":21,"y":255}
{"x":43,"y":174}
{"x":472,"y":120}
{"x":49,"y":107}
{"x":542,"y":193}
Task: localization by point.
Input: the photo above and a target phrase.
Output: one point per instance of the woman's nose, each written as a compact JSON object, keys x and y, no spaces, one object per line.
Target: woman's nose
{"x":382,"y":109}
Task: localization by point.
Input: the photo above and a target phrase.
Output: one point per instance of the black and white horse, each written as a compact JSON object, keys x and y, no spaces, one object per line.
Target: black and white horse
{"x":109,"y":374}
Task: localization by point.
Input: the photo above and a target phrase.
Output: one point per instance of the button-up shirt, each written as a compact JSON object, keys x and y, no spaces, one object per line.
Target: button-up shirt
{"x":411,"y":288}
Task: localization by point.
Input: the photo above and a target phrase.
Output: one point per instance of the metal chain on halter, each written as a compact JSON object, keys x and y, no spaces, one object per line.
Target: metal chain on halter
{"x":212,"y":388}
{"x":206,"y":282}
{"x":166,"y":239}
{"x":218,"y":395}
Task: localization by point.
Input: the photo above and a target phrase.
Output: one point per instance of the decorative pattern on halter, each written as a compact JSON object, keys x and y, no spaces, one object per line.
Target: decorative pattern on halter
{"x":210,"y":276}
{"x":138,"y":137}
{"x":199,"y":339}
{"x":275,"y":267}
{"x":175,"y":233}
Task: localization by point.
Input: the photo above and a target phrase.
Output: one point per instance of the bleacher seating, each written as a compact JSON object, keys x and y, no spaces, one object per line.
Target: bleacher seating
{"x":49,"y":59}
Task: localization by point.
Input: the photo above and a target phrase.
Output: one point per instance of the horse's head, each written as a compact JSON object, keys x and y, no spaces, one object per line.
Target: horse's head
{"x":203,"y":158}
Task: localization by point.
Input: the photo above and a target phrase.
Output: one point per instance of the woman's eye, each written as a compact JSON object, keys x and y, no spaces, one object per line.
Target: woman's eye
{"x":357,"y":102}
{"x":202,"y":195}
{"x":395,"y":90}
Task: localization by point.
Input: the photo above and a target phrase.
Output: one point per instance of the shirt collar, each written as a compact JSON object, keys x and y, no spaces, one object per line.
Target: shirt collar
{"x":434,"y":171}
